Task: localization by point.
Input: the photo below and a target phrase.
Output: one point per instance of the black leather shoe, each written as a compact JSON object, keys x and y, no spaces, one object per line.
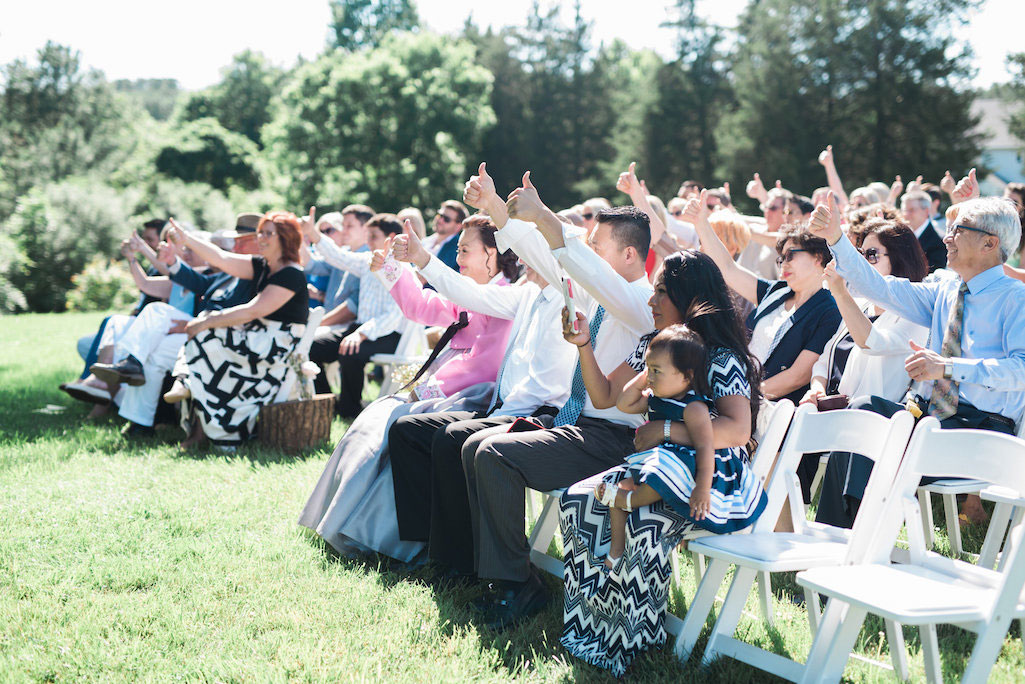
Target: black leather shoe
{"x":133,"y":430}
{"x":128,"y":371}
{"x":514,"y":605}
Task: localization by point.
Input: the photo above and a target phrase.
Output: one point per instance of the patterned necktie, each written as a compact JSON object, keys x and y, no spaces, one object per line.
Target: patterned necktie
{"x":943,"y":402}
{"x":524,"y":327}
{"x":570,"y":411}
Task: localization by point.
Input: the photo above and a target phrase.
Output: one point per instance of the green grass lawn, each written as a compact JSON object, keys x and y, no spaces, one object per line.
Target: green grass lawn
{"x":133,"y":561}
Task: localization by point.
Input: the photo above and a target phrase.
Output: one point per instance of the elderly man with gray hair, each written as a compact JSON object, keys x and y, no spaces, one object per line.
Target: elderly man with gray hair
{"x":972,"y":375}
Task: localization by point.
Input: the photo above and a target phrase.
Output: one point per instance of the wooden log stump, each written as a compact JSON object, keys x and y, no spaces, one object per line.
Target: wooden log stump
{"x":296,"y":425}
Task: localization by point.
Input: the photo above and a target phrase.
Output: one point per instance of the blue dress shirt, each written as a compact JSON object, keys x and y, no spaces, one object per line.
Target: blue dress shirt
{"x":991,"y":371}
{"x":342,"y":286}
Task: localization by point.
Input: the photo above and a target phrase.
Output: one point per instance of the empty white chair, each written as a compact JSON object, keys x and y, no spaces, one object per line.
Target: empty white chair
{"x":411,"y":349}
{"x":810,"y":545}
{"x":929,"y":589}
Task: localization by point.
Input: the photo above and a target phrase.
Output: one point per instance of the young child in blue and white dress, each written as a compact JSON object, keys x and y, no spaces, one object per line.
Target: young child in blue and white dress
{"x":715,"y":489}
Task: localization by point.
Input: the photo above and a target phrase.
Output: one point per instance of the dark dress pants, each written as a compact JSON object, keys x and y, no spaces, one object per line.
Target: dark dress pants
{"x":410,"y":441}
{"x":324,"y":350}
{"x":846,"y":476}
{"x":502,"y":466}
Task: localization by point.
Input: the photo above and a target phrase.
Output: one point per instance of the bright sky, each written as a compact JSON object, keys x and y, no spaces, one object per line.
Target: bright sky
{"x":191,"y":40}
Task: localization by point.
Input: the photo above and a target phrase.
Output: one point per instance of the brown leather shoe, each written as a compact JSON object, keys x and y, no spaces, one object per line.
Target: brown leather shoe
{"x":178,"y":392}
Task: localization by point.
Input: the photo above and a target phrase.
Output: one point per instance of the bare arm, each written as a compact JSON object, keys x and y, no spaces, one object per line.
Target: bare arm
{"x":269,"y":300}
{"x":602,"y":389}
{"x":832,"y":177}
{"x":737,"y":277}
{"x":793,"y":378}
{"x":629,"y":184}
{"x":154,"y":286}
{"x":857,"y":322}
{"x":238,"y":265}
{"x":339,"y":315}
{"x":633,"y":400}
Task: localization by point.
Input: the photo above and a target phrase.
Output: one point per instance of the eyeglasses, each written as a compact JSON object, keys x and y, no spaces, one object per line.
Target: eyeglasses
{"x":327,"y":230}
{"x":445,"y":218}
{"x":588,"y":216}
{"x":775,"y":207}
{"x":712,"y":207}
{"x":954,"y":231}
{"x":788,"y":256}
{"x":265,"y":233}
{"x":872,"y":255}
{"x":677,"y":213}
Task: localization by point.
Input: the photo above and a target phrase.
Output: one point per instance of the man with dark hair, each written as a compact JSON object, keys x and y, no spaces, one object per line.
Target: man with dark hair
{"x":582,"y":440}
{"x":939,"y":221}
{"x":378,"y":317}
{"x":448,"y":223}
{"x":689,"y":189}
{"x":799,"y":209}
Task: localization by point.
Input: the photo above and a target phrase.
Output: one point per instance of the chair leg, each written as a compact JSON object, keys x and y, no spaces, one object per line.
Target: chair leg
{"x":995,"y":534}
{"x":674,"y":560}
{"x":530,"y":506}
{"x":985,"y":652}
{"x":931,"y":654}
{"x":729,"y":614}
{"x":700,"y":607}
{"x":953,"y":526}
{"x":898,"y":653}
{"x":698,"y":561}
{"x":820,"y":472}
{"x":811,"y":603}
{"x":925,"y":506}
{"x":823,"y":641}
{"x":842,"y":643}
{"x":765,"y":597}
{"x":1016,"y":519}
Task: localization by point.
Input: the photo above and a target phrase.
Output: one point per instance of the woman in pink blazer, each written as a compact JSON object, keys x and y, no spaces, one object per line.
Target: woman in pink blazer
{"x":353,"y":505}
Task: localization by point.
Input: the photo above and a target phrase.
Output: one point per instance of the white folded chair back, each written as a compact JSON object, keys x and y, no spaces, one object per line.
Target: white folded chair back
{"x":930,"y":589}
{"x":411,"y":349}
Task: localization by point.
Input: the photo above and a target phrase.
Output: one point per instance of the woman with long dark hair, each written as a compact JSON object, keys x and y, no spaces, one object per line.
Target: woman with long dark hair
{"x":605,"y":623}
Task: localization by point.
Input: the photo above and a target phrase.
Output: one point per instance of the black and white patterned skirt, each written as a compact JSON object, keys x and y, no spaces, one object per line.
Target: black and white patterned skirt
{"x":611,"y":616}
{"x":234,"y":371}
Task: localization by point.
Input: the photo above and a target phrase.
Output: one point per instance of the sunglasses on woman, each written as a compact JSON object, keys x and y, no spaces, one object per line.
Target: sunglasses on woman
{"x":788,"y":256}
{"x":872,"y":255}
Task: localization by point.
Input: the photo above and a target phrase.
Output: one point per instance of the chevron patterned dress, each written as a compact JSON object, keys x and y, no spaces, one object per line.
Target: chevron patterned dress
{"x":611,"y":616}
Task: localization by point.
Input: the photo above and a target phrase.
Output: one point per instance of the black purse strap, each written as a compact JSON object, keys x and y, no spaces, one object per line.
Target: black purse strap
{"x":446,"y":337}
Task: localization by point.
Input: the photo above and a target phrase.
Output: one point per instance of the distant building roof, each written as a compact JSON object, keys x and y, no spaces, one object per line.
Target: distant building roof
{"x":993,"y":115}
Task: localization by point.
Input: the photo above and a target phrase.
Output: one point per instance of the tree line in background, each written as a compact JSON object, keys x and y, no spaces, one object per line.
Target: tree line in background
{"x":392,"y":115}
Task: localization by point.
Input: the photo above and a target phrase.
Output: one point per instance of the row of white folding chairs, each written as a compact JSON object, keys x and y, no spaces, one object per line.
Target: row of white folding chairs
{"x":855,"y":567}
{"x":547,"y":523}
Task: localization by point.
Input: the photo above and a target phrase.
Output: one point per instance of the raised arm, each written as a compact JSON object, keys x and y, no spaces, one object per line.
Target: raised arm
{"x":269,"y":300}
{"x":832,"y":177}
{"x":602,"y":389}
{"x":154,"y":286}
{"x":629,"y":184}
{"x":238,"y":265}
{"x":913,"y":301}
{"x":858,"y":324}
{"x":736,"y":276}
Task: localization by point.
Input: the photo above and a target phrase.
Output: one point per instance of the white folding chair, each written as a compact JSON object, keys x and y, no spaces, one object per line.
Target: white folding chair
{"x":810,"y":545}
{"x":411,"y":349}
{"x":303,"y":350}
{"x":929,"y":589}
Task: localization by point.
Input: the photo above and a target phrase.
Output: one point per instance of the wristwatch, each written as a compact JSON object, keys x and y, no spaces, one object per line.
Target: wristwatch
{"x":666,"y":430}
{"x":948,"y":370}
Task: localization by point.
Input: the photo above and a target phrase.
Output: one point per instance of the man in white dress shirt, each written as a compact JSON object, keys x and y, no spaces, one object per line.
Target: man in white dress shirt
{"x":533,"y":380}
{"x":582,"y":440}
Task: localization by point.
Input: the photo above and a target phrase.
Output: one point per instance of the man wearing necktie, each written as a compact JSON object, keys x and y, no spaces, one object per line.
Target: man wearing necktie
{"x":607,"y":265}
{"x":972,"y":375}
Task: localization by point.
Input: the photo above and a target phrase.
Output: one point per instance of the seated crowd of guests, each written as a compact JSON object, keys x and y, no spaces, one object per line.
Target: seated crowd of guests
{"x":625,"y":354}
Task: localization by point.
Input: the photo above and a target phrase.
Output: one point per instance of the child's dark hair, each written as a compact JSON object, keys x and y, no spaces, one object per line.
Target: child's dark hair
{"x":687,"y":353}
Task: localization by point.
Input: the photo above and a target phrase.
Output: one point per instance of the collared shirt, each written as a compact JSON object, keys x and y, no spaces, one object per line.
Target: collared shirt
{"x":627,"y":314}
{"x":434,"y":242}
{"x":342,"y":286}
{"x":991,"y":370}
{"x":921,"y":228}
{"x":377,"y":313}
{"x":538,"y":361}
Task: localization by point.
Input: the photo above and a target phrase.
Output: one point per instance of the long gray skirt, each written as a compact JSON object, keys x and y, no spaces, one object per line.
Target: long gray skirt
{"x":353,"y":505}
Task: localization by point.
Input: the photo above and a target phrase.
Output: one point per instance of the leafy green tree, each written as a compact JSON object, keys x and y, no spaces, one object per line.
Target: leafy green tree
{"x":243,"y":99}
{"x":157,"y":95}
{"x":365,"y":23}
{"x":57,"y":120}
{"x":1017,"y":93}
{"x":204,"y":151}
{"x":392,"y":126}
{"x":884,"y":81}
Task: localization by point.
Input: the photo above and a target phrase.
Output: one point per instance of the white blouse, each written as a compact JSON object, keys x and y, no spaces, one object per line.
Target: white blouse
{"x":766,"y":329}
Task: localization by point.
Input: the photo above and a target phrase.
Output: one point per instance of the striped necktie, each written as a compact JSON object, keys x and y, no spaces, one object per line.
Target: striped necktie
{"x":943,"y":402}
{"x":513,"y":344}
{"x":569,"y":413}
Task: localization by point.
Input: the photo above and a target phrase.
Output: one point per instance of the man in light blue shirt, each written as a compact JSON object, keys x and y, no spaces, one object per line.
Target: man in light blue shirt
{"x":972,"y":375}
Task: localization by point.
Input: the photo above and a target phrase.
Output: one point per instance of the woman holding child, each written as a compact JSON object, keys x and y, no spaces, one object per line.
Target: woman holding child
{"x":620,"y":527}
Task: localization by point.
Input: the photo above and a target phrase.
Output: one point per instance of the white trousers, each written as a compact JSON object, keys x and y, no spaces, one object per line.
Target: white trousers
{"x":147,"y":340}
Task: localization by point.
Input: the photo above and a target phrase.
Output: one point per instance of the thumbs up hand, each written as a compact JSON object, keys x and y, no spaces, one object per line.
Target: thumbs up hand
{"x":628,"y":182}
{"x":924,"y":364}
{"x":825,"y":220}
{"x":756,"y":189}
{"x":480,"y":189}
{"x":967,"y":188}
{"x":524,"y":202}
{"x":407,"y":247}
